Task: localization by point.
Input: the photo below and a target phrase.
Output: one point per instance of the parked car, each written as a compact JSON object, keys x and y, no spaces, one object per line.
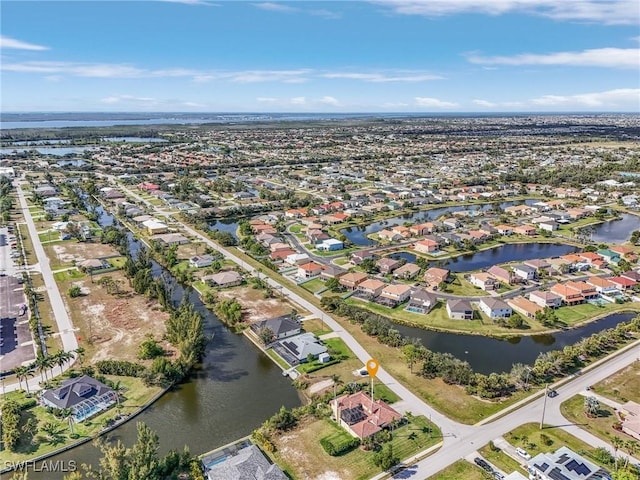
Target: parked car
{"x":523,"y":453}
{"x":482,"y":463}
{"x":498,"y":476}
{"x":552,"y":394}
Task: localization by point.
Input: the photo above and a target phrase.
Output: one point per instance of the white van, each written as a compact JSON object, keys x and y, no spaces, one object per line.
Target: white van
{"x":523,"y":453}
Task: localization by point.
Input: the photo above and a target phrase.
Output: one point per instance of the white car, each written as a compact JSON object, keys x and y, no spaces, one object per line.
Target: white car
{"x":523,"y":453}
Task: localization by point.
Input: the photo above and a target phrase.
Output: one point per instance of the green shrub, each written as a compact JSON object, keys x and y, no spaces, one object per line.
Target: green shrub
{"x":342,"y":446}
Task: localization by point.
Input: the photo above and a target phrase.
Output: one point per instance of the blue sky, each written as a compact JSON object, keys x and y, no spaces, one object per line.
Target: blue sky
{"x":304,"y":56}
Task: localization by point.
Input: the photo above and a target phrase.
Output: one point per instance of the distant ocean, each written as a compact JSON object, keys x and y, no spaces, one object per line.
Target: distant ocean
{"x":10,"y":121}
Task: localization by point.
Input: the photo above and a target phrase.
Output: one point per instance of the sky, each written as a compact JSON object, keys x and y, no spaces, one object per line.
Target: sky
{"x":339,"y":56}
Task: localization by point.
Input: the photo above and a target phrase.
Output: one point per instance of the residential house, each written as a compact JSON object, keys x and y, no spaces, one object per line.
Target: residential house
{"x":281,"y":255}
{"x":361,"y":416}
{"x":297,"y":259}
{"x":592,"y":258}
{"x":421,"y":301}
{"x":361,"y":255}
{"x":351,"y":280}
{"x":407,"y":271}
{"x":548,"y":225}
{"x":483,"y":280}
{"x":155,"y":227}
{"x":609,"y":256}
{"x":331,"y":271}
{"x":564,"y":464}
{"x":426,"y":246}
{"x":278,"y":246}
{"x":631,"y":275}
{"x":526,"y":230}
{"x":459,"y":309}
{"x":388,"y":264}
{"x":587,"y":290}
{"x":434,"y":276}
{"x":545,"y":298}
{"x":84,"y":395}
{"x":538,"y":264}
{"x":570,"y":296}
{"x":504,"y":229}
{"x":631,"y":421}
{"x":501,"y":274}
{"x":401,"y":230}
{"x":524,"y":306}
{"x":247,"y":462}
{"x":303,"y":346}
{"x":228,"y":278}
{"x":603,"y":285}
{"x":330,"y":244}
{"x":389,"y":235}
{"x":169,"y":239}
{"x":309,"y":270}
{"x":422,"y":229}
{"x":518,"y":210}
{"x":494,"y":307}
{"x":398,"y":293}
{"x":524,"y":272}
{"x":201,"y":261}
{"x":371,"y":287}
{"x":623,"y":283}
{"x":91,"y":264}
{"x":282,"y":327}
{"x":451,"y":223}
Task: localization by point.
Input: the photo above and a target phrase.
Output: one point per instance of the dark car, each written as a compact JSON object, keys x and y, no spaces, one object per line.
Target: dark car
{"x":482,"y":464}
{"x":552,"y":393}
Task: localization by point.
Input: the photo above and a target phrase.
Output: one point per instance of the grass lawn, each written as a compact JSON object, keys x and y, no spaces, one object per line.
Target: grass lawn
{"x":600,"y":426}
{"x":278,"y":359}
{"x":528,"y":436}
{"x":300,"y":450}
{"x":47,"y":318}
{"x":297,"y":228}
{"x":134,"y":396}
{"x":586,"y":311}
{"x":339,"y":347}
{"x":341,"y":261}
{"x":501,"y":460}
{"x":72,"y":274}
{"x":313,"y":285}
{"x":461,"y":470}
{"x":462,"y":287}
{"x":316,"y":326}
{"x":28,"y":246}
{"x":623,"y":386}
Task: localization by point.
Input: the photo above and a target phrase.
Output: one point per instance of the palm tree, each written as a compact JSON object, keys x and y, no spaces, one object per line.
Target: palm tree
{"x":60,"y":358}
{"x":592,"y":406}
{"x":617,"y":443}
{"x":117,"y":388}
{"x":41,"y":364}
{"x":336,"y":381}
{"x":23,"y":373}
{"x":80,"y":351}
{"x":67,"y":414}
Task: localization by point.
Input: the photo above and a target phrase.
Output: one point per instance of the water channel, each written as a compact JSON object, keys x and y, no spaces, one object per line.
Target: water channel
{"x":238,"y":387}
{"x":616,"y":231}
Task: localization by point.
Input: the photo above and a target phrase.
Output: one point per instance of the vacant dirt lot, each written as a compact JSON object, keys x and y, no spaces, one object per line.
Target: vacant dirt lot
{"x":112,"y":326}
{"x":70,"y":251}
{"x":255,"y":306}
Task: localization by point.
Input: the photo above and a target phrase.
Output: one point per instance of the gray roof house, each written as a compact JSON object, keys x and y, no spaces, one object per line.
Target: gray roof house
{"x":282,"y":327}
{"x":248,"y":463}
{"x":565,"y":464}
{"x":301,"y":346}
{"x":85,"y":396}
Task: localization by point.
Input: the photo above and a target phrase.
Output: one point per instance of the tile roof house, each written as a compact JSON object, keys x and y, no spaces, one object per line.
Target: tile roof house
{"x":603,"y":285}
{"x":570,"y":296}
{"x":587,"y":290}
{"x":248,"y":462}
{"x":434,"y":276}
{"x":525,"y":307}
{"x":371,"y":287}
{"x":388,"y":264}
{"x":309,"y":270}
{"x":352,"y":280}
{"x":228,"y":278}
{"x":622,"y":283}
{"x":362,"y":417}
{"x":426,"y":246}
{"x":459,"y":309}
{"x":421,"y":301}
{"x":545,"y":298}
{"x":494,"y":307}
{"x":398,"y":293}
{"x":406,"y":271}
{"x":483,"y":280}
{"x":501,"y":274}
{"x":85,"y":396}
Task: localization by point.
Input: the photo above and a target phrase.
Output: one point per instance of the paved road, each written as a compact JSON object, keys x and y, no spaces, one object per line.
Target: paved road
{"x":459,"y":440}
{"x":65,"y":327}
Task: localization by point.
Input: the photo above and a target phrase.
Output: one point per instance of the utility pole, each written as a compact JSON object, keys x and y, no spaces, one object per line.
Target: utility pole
{"x":544,"y":405}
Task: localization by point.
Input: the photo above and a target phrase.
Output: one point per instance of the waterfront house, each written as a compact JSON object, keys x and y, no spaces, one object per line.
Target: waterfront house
{"x":609,"y":256}
{"x":500,"y":274}
{"x":303,"y":346}
{"x":545,"y":298}
{"x":361,"y":416}
{"x":526,"y":230}
{"x":91,"y":264}
{"x":421,"y":229}
{"x":282,"y":327}
{"x":623,"y":283}
{"x":459,"y":309}
{"x":451,"y":223}
{"x":483,"y":280}
{"x":421,"y":301}
{"x":388,"y":264}
{"x":538,"y":264}
{"x":309,"y":270}
{"x":169,"y":239}
{"x":504,"y":229}
{"x":570,"y":296}
{"x":524,"y":306}
{"x":587,"y":290}
{"x":603,"y":285}
{"x":407,"y":271}
{"x":229,"y":278}
{"x":494,"y":307}
{"x":201,"y":261}
{"x":154,"y":226}
{"x":548,"y":225}
{"x":426,"y":246}
{"x":434,"y":276}
{"x":84,"y":395}
{"x":524,"y":272}
{"x":351,"y":280}
{"x":361,"y":255}
{"x":371,"y":287}
{"x":591,"y":258}
{"x":389,"y":235}
{"x":247,"y":462}
{"x":397,"y":293}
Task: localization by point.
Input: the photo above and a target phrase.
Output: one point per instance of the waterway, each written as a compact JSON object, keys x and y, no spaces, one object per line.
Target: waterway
{"x":616,"y":231}
{"x":55,"y":151}
{"x":229,"y":225}
{"x":134,"y":139}
{"x":488,"y":355}
{"x":511,"y":252}
{"x":358,"y":235}
{"x":234,"y":391}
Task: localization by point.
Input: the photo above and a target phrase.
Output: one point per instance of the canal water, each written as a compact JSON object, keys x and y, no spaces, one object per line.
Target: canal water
{"x":616,"y":231}
{"x":358,"y":235}
{"x":511,"y":252}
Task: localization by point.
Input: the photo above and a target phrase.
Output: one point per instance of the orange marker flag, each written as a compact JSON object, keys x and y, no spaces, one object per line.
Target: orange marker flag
{"x":372,"y":367}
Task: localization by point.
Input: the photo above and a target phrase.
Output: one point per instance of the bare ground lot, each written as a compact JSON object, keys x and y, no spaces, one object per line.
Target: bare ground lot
{"x":67,"y":252}
{"x":255,"y":306}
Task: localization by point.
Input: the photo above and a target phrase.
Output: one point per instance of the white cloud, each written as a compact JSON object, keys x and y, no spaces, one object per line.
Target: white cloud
{"x":267,"y":99}
{"x":433,"y":103}
{"x":611,"y":12}
{"x":252,"y":76}
{"x":598,"y":57}
{"x":636,"y":39}
{"x":327,"y":100}
{"x":621,"y":98}
{"x":394,"y":105}
{"x":380,"y":77}
{"x":328,"y":14}
{"x":275,"y":7}
{"x":128,"y":99}
{"x":104,"y":70}
{"x":298,"y":100}
{"x":12,"y":43}
{"x":484,"y":103}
